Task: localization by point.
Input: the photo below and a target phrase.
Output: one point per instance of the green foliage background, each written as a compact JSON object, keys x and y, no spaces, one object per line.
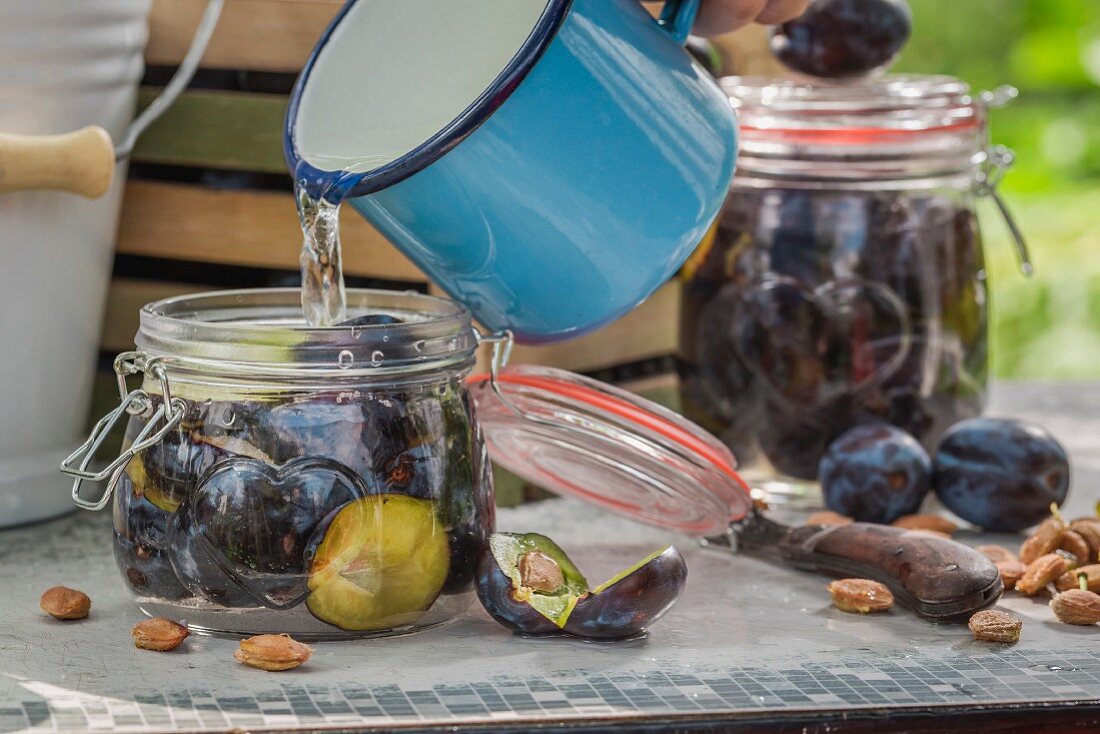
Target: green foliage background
{"x":1048,"y":325}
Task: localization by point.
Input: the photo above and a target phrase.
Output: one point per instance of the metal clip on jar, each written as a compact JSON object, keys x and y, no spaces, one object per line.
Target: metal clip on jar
{"x":844,"y":281}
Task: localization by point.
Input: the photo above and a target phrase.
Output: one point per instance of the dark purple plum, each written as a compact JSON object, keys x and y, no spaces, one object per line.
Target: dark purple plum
{"x":497,"y":595}
{"x":529,"y":585}
{"x":843,"y":38}
{"x":372,"y":319}
{"x":500,"y":588}
{"x":809,"y":348}
{"x":465,"y":498}
{"x":140,"y":542}
{"x":321,"y":426}
{"x":417,"y":472}
{"x":165,"y":473}
{"x":780,"y":332}
{"x":200,"y":569}
{"x":999,"y":474}
{"x":466,"y":541}
{"x":719,"y":391}
{"x":798,"y":253}
{"x":631,"y":602}
{"x":875,"y":473}
{"x":247,"y":527}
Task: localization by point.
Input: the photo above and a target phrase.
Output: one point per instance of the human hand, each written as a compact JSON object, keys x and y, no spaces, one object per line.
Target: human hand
{"x":722,"y":16}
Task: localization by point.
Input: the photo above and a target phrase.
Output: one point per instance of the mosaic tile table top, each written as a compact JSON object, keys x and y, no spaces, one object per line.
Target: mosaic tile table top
{"x":748,"y":638}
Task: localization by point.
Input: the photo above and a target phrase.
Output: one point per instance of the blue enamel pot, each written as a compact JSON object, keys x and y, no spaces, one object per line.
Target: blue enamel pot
{"x":551,"y":194}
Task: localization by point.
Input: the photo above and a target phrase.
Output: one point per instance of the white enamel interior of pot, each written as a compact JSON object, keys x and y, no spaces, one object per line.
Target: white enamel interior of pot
{"x":396,"y":72}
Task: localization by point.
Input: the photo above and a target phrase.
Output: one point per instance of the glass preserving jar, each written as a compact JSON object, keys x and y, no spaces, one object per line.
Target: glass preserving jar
{"x":323,"y":482}
{"x":335,"y":482}
{"x":844,"y":280}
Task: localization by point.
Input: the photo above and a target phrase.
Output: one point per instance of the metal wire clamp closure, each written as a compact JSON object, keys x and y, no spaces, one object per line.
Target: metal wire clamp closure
{"x":503,"y":342}
{"x":998,"y":159}
{"x":131,"y":402}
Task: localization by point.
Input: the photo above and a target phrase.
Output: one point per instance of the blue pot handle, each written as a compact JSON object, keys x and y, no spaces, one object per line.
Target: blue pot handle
{"x":677,"y":17}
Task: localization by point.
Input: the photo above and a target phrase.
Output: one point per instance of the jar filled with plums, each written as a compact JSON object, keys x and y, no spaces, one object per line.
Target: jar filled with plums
{"x":844,"y":281}
{"x":319,"y":481}
{"x":334,"y":481}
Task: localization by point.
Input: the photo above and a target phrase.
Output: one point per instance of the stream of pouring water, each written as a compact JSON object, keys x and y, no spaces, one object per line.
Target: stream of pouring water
{"x":324,"y":302}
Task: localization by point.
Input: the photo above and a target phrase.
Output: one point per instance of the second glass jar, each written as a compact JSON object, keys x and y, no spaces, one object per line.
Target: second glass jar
{"x":844,"y":281}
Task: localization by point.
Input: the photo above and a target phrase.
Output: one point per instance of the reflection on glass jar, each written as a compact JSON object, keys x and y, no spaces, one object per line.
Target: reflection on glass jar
{"x":299,"y":493}
{"x":844,"y":281}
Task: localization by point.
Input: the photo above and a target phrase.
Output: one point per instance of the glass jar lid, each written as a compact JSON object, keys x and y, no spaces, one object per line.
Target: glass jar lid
{"x":582,"y":438}
{"x":261,"y":334}
{"x":890,"y":126}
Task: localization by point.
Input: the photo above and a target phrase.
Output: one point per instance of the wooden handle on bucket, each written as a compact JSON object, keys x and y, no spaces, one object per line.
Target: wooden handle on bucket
{"x":82,"y":162}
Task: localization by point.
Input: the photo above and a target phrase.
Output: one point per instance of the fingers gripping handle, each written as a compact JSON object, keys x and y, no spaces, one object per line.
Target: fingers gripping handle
{"x":81,"y":162}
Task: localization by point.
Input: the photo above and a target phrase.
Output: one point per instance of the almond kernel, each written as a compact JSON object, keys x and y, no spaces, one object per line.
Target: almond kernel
{"x":61,"y":602}
{"x":1069,"y":580}
{"x":1047,"y":537}
{"x":997,"y":553}
{"x":272,"y":652}
{"x":1073,"y":542}
{"x":1076,"y":606}
{"x":992,"y":625}
{"x":159,"y":634}
{"x":1010,"y":571}
{"x":926,"y":522}
{"x":861,"y":596}
{"x":1040,"y":572}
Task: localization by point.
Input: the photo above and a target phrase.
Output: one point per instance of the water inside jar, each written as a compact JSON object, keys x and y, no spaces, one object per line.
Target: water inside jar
{"x":324,"y":302}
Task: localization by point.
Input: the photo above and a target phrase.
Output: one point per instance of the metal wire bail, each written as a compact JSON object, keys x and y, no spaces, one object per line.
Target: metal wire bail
{"x":998,"y":159}
{"x":131,"y":402}
{"x":503,"y":342}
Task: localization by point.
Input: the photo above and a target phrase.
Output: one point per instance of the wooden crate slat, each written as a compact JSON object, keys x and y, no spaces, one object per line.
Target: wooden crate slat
{"x":124,"y":300}
{"x":253,"y":228}
{"x":208,"y":129}
{"x":651,"y":330}
{"x":261,"y":35}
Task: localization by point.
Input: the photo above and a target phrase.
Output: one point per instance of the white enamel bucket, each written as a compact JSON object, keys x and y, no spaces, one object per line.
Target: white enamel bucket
{"x":69,"y":85}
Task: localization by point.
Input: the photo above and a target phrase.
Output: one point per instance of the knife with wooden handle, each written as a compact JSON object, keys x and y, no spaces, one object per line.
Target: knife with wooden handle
{"x":938,"y":578}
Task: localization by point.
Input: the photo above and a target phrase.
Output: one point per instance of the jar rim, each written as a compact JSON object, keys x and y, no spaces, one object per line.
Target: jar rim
{"x":262,"y":331}
{"x":889,"y":127}
{"x":888,"y":92}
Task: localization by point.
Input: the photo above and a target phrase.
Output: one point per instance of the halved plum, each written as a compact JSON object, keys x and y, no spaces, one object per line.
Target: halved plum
{"x":630,"y":602}
{"x":378,"y":563}
{"x":528,"y":584}
{"x":506,"y":591}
